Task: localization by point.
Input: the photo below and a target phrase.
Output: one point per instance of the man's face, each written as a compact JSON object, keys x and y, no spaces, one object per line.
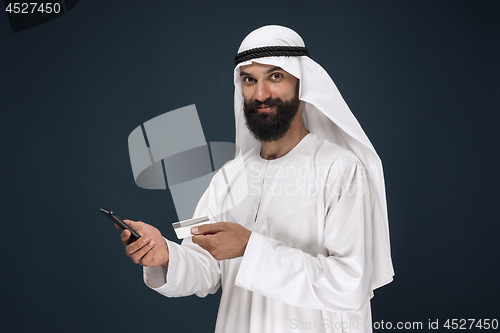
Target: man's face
{"x":271,"y":100}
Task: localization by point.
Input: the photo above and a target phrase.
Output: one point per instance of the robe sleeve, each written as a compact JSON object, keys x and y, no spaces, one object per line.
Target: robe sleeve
{"x":339,"y":279}
{"x":191,"y":270}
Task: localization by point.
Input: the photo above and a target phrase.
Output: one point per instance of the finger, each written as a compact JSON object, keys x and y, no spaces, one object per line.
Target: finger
{"x":203,"y":241}
{"x":118,"y":227}
{"x":138,"y":255}
{"x":133,"y":247}
{"x":210,"y":228}
{"x":148,"y":259}
{"x":126,"y":237}
{"x":197,"y":239}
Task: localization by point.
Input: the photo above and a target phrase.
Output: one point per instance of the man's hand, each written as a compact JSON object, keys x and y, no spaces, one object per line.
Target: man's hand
{"x":223,"y":240}
{"x":149,"y":250}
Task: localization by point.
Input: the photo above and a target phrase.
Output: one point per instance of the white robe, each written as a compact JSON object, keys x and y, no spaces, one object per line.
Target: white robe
{"x":308,"y":263}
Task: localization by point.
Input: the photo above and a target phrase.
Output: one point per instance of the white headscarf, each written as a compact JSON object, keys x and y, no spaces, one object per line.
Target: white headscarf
{"x":325,"y":114}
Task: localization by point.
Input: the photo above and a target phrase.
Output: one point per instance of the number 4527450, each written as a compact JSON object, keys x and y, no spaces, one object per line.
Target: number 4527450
{"x":33,"y":8}
{"x":463,"y":324}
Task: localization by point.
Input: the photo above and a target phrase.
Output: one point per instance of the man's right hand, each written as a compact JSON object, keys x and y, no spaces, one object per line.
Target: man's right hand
{"x":149,"y":250}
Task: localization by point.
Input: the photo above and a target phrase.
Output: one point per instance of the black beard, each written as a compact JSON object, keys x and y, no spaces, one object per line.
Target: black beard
{"x":271,"y":126}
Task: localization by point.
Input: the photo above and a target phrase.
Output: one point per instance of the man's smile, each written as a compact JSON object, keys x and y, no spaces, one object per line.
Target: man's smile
{"x":264,"y":108}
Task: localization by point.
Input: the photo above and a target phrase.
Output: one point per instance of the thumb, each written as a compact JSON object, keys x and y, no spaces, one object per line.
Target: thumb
{"x":136,"y":225}
{"x":132,"y":224}
{"x":210,"y":228}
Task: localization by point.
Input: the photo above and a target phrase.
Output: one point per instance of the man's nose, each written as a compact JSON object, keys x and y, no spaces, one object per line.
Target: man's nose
{"x":262,"y":91}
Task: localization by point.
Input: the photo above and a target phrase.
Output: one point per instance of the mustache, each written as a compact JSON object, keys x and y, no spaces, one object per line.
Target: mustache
{"x":269,"y":102}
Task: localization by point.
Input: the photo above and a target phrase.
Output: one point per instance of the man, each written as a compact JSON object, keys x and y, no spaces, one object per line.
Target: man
{"x":309,"y":242}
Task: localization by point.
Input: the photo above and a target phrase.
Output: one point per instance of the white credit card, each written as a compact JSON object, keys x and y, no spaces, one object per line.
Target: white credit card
{"x":183,"y":228}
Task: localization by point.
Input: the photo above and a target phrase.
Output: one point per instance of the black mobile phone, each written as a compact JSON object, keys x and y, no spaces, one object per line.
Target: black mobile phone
{"x":134,"y":235}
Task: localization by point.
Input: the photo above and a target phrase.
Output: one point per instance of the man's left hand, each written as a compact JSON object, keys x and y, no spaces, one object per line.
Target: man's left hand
{"x":223,"y":240}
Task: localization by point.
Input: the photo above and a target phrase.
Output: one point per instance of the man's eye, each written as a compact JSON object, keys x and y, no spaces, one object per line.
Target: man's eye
{"x":248,"y":79}
{"x":276,"y":76}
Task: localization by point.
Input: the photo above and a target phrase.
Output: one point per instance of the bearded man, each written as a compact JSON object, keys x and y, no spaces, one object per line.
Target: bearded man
{"x":301,"y":239}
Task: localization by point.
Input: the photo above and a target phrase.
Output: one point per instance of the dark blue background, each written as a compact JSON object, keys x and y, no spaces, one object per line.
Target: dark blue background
{"x":422,"y":77}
